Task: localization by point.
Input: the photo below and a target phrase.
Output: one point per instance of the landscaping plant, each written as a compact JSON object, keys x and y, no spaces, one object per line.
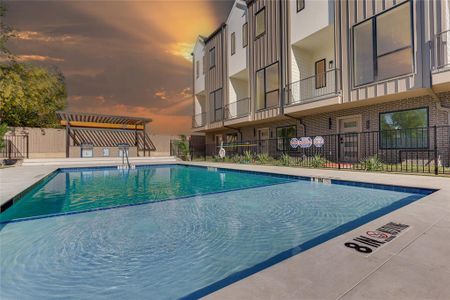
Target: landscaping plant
{"x":372,"y":163}
{"x":286,"y":160}
{"x":248,"y":157}
{"x":318,"y":161}
{"x":262,"y":158}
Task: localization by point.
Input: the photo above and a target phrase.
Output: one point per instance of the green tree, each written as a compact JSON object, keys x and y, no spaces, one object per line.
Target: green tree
{"x":3,"y":131}
{"x":30,"y":95}
{"x":5,"y":33}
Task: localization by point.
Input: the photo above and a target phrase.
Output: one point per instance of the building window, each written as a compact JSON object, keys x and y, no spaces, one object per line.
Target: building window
{"x":197,"y":68}
{"x":245,"y":35}
{"x":382,"y":46}
{"x":204,"y":64}
{"x":216,"y":105}
{"x":260,"y":22}
{"x":233,"y":43}
{"x":284,"y":134}
{"x":405,"y":129}
{"x":300,"y":5}
{"x":320,"y":72}
{"x":212,"y":58}
{"x":267,"y":87}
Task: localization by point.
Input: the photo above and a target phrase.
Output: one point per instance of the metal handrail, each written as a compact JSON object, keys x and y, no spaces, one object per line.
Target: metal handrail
{"x":201,"y":117}
{"x":238,"y":113}
{"x":312,"y":87}
{"x":442,"y":50}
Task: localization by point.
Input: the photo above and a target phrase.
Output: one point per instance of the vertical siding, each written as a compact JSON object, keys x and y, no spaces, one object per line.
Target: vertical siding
{"x":266,"y":49}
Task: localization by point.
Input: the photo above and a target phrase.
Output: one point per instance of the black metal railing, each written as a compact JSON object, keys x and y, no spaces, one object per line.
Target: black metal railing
{"x":199,"y":120}
{"x":419,"y":150}
{"x":15,"y":147}
{"x":237,"y":109}
{"x":313,"y":87}
{"x":442,"y":50}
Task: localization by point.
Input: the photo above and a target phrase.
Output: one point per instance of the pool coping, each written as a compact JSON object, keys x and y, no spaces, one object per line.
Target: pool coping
{"x":280,"y":286}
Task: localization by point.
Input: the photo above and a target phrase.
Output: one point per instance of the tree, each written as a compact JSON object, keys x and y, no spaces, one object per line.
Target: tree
{"x":30,"y":95}
{"x":5,"y":33}
{"x":3,"y":131}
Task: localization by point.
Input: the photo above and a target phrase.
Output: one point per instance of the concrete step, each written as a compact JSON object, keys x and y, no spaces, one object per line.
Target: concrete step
{"x":96,"y":161}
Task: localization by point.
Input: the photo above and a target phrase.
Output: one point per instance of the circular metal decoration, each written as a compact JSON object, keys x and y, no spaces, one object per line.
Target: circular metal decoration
{"x":294,"y":143}
{"x":222,"y":153}
{"x":319,"y":141}
{"x":305,"y":142}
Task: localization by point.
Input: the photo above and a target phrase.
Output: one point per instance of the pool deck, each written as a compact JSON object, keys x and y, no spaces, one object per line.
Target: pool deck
{"x":414,"y":265}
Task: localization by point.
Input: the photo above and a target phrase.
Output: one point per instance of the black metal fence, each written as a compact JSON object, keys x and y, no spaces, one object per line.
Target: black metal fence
{"x":419,"y":150}
{"x":15,"y":147}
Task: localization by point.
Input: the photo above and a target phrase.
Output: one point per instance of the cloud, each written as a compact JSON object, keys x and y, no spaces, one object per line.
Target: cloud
{"x":42,"y":37}
{"x":181,"y":49}
{"x":32,"y":57}
{"x":161,"y":94}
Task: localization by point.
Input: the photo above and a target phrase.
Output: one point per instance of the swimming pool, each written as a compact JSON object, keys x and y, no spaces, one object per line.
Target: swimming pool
{"x":165,"y":232}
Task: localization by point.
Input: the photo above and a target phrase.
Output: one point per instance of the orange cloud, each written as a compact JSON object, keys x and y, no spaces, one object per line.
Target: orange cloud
{"x":41,"y":37}
{"x":32,"y":57}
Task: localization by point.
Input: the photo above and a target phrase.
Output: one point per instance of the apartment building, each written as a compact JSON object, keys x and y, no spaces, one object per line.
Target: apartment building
{"x":303,"y":68}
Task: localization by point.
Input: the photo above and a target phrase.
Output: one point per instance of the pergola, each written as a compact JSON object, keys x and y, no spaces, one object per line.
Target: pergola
{"x":105,"y":130}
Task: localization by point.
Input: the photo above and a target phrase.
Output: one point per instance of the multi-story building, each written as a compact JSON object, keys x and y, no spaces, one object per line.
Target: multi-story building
{"x":297,"y":68}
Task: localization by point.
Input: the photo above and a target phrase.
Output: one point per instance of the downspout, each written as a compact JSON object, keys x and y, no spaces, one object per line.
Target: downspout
{"x":439,"y":104}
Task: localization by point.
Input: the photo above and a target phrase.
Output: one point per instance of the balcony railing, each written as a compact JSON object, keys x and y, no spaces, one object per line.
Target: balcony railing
{"x":199,"y":120}
{"x":237,"y":109}
{"x":313,"y":87}
{"x":442,"y":50}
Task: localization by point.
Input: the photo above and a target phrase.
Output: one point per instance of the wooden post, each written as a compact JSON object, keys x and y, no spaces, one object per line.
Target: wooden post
{"x":143,"y":138}
{"x":67,"y":139}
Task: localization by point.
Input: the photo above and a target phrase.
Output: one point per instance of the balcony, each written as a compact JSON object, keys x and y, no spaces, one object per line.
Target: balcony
{"x":442,"y":50}
{"x":199,"y":120}
{"x":441,"y":61}
{"x":316,"y":87}
{"x":237,"y":109}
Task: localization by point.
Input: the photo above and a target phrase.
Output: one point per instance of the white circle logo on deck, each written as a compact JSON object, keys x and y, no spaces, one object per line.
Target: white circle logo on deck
{"x":319,"y":141}
{"x":222,"y":153}
{"x":305,"y":142}
{"x":294,"y":143}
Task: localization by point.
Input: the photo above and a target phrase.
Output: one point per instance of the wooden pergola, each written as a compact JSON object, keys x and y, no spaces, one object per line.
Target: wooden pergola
{"x":105,"y":130}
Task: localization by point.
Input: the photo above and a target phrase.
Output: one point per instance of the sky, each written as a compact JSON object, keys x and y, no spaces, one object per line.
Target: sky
{"x":119,"y":57}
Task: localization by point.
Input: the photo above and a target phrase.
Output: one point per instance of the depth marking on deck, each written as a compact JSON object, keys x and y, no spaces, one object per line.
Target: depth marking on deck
{"x":372,"y":240}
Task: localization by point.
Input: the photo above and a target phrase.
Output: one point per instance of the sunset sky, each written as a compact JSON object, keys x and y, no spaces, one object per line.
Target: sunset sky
{"x":122,"y":57}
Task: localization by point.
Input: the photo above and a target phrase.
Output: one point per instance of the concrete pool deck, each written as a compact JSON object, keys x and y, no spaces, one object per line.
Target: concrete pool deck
{"x":414,"y":265}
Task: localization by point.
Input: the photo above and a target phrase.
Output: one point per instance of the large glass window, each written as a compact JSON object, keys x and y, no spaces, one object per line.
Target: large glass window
{"x":363,"y":53}
{"x":212,"y":57}
{"x":267,"y":87}
{"x":383,"y":46}
{"x":260,"y":22}
{"x":233,"y":43}
{"x":406,"y":129}
{"x":216,"y":104}
{"x":284,"y":135}
{"x":245,"y":35}
{"x":300,"y":5}
{"x":197,"y":68}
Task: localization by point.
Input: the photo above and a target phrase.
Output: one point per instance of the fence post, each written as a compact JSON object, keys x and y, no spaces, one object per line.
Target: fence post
{"x":436,"y":164}
{"x":338,"y":150}
{"x":28,"y":145}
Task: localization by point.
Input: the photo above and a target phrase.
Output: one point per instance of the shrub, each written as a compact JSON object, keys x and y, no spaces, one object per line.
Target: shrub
{"x":318,"y":161}
{"x":248,"y":157}
{"x":373,"y":163}
{"x":216,"y":158}
{"x":237,"y":159}
{"x":262,"y":158}
{"x":286,"y":160}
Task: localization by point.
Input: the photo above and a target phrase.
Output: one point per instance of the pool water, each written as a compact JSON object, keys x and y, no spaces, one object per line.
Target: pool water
{"x":87,"y":189}
{"x":235,"y":224}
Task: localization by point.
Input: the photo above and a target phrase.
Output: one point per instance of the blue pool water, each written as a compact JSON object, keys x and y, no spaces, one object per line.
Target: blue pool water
{"x":233,"y":224}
